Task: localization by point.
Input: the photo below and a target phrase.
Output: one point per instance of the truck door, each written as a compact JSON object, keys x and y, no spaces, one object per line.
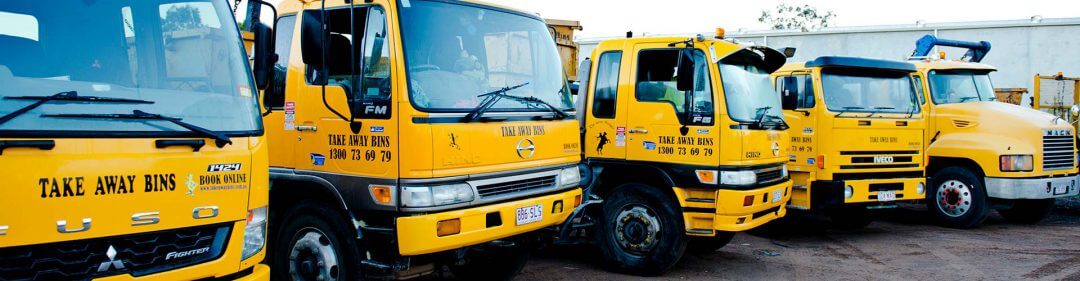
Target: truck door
{"x":605,"y":129}
{"x":797,"y":96}
{"x":663,"y":123}
{"x":351,"y":127}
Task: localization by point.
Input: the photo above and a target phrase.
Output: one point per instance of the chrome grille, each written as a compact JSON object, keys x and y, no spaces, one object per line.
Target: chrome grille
{"x":516,"y":186}
{"x":769,"y":175}
{"x":140,"y":254}
{"x":1058,"y":152}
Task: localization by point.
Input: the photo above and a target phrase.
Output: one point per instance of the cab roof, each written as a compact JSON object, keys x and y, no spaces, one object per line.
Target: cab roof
{"x":774,"y":59}
{"x":294,"y":6}
{"x":924,"y":65}
{"x":835,"y":61}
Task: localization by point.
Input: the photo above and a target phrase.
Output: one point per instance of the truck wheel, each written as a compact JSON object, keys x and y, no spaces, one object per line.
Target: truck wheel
{"x":641,"y":232}
{"x":705,"y":245}
{"x":494,"y":264}
{"x":1028,"y":211}
{"x":850,"y":218}
{"x":311,"y":246}
{"x":957,"y":198}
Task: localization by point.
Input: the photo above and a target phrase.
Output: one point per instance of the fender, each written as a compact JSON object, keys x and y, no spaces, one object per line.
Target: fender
{"x":324,"y":185}
{"x":982,"y":148}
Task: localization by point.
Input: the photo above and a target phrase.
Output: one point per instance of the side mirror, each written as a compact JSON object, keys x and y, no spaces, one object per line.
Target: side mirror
{"x":789,"y":99}
{"x":685,"y":79}
{"x":313,"y":40}
{"x":265,"y":57}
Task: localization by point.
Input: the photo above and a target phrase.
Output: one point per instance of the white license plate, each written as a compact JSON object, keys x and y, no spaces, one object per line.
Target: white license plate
{"x":530,"y":214}
{"x":777,"y":195}
{"x":1059,"y":190}
{"x":884,"y":196}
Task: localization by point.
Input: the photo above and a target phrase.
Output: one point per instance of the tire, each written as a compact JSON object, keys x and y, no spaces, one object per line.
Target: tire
{"x":494,"y":264}
{"x":706,"y":245}
{"x":957,"y":198}
{"x":850,"y":218}
{"x":312,"y":234}
{"x":1029,"y":211}
{"x":649,"y":239}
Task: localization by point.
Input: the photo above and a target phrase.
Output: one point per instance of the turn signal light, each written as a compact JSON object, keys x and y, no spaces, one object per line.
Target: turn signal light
{"x":941,"y":55}
{"x":381,"y":194}
{"x":577,"y":200}
{"x":821,"y":161}
{"x":448,"y":227}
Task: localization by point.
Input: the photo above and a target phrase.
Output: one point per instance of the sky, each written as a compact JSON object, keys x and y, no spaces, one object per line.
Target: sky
{"x":615,"y":17}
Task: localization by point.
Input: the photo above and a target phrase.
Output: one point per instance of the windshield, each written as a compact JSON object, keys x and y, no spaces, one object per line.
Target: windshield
{"x":862,"y":90}
{"x":457,"y":51}
{"x":748,"y":90}
{"x":184,"y":58}
{"x":956,"y":86}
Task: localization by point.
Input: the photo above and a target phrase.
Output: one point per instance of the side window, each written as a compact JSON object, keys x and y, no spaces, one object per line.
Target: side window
{"x":656,"y":82}
{"x":796,"y":91}
{"x":358,"y":59}
{"x":275,"y":93}
{"x":376,"y":79}
{"x":919,"y":89}
{"x":607,"y":85}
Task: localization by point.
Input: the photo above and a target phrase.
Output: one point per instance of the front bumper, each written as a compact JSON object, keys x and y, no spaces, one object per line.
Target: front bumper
{"x":727,"y":210}
{"x":416,"y":235}
{"x":1031,"y":188}
{"x":828,"y":193}
{"x":259,"y":272}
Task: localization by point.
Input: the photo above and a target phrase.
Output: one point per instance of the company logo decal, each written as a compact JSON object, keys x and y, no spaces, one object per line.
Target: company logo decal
{"x":52,"y":187}
{"x":191,"y":185}
{"x":526,"y":148}
{"x":648,"y":145}
{"x":603,"y":141}
{"x":318,"y":159}
{"x":223,"y":167}
{"x":188,"y":253}
{"x":775,"y":149}
{"x":377,"y":129}
{"x":1057,"y":133}
{"x":112,"y":263}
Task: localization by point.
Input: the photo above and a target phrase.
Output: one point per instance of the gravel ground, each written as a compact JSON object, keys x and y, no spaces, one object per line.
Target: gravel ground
{"x":901,"y":245}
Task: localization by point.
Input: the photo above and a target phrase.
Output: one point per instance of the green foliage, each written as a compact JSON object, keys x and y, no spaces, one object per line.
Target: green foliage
{"x":182,"y":17}
{"x":803,"y":18}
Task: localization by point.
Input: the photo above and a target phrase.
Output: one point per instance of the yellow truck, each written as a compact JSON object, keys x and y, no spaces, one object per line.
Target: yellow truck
{"x":983,"y":154}
{"x":685,"y":139}
{"x":409,"y":135}
{"x":857,"y":133}
{"x":131,"y":143}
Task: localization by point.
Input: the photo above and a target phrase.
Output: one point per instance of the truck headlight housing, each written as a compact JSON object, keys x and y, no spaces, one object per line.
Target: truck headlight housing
{"x":1017,"y":163}
{"x":436,"y":195}
{"x":738,"y":177}
{"x":254,"y":232}
{"x":570,"y":177}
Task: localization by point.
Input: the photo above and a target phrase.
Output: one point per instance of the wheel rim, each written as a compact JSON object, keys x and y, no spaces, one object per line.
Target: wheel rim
{"x":637,"y":229}
{"x":313,"y":257}
{"x":954,"y":198}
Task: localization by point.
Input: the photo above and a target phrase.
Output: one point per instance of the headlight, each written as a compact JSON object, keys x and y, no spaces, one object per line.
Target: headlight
{"x":254,"y":232}
{"x":436,"y":195}
{"x":569,"y":177}
{"x":1016,"y":163}
{"x":921,"y":188}
{"x":738,"y":177}
{"x":849,"y":191}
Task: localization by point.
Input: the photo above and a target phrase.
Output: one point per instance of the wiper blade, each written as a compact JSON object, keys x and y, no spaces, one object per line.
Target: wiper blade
{"x":490,"y":99}
{"x":847,"y":109}
{"x":559,"y":114}
{"x":761,"y":113}
{"x":879,"y":108}
{"x":61,"y":96}
{"x":963,"y":99}
{"x":220,"y":139}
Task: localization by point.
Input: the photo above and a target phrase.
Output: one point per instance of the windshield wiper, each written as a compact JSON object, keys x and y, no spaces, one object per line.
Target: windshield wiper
{"x":61,"y":96}
{"x":490,"y":99}
{"x":963,"y":99}
{"x":220,"y":139}
{"x":847,"y":109}
{"x":879,"y":108}
{"x":761,"y":113}
{"x":559,"y":114}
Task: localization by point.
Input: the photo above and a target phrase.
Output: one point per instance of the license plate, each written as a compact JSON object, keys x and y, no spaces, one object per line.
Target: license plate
{"x":886,"y":196}
{"x":530,"y":214}
{"x":777,"y":195}
{"x":1059,"y":190}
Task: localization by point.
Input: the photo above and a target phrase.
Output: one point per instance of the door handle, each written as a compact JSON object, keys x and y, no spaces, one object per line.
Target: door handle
{"x":307,"y":128}
{"x":638,"y":131}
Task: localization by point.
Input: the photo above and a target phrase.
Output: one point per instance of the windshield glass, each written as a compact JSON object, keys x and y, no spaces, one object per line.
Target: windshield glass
{"x":956,"y":86}
{"x":457,"y":51}
{"x":183,"y":56}
{"x":748,"y":90}
{"x":862,"y":90}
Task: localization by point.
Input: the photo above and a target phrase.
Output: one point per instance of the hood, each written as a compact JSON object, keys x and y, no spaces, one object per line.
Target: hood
{"x":1003,"y":117}
{"x":471,"y":148}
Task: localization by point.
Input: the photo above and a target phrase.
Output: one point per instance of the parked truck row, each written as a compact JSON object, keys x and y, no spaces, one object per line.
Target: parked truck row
{"x":391,"y":139}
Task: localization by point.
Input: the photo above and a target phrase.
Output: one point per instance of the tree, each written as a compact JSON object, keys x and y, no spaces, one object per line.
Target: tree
{"x":804,"y":18}
{"x":182,"y":17}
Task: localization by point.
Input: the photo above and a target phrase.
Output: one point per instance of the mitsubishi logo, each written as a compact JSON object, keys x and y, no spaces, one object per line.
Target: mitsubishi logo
{"x":526,"y":148}
{"x":775,"y":149}
{"x":113,"y":262}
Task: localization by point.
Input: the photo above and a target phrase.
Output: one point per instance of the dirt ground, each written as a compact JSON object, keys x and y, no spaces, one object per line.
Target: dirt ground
{"x":901,"y":245}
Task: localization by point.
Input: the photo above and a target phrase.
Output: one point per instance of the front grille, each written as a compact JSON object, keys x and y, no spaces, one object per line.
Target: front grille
{"x":769,"y":175}
{"x":139,"y":254}
{"x":1058,"y":152}
{"x":516,"y":186}
{"x":868,"y":159}
{"x":875,"y":187}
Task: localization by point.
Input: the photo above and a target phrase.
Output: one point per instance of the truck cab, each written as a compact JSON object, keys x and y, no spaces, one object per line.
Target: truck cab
{"x":130,"y":143}
{"x":409,"y":135}
{"x":685,"y":139}
{"x":857,"y":136}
